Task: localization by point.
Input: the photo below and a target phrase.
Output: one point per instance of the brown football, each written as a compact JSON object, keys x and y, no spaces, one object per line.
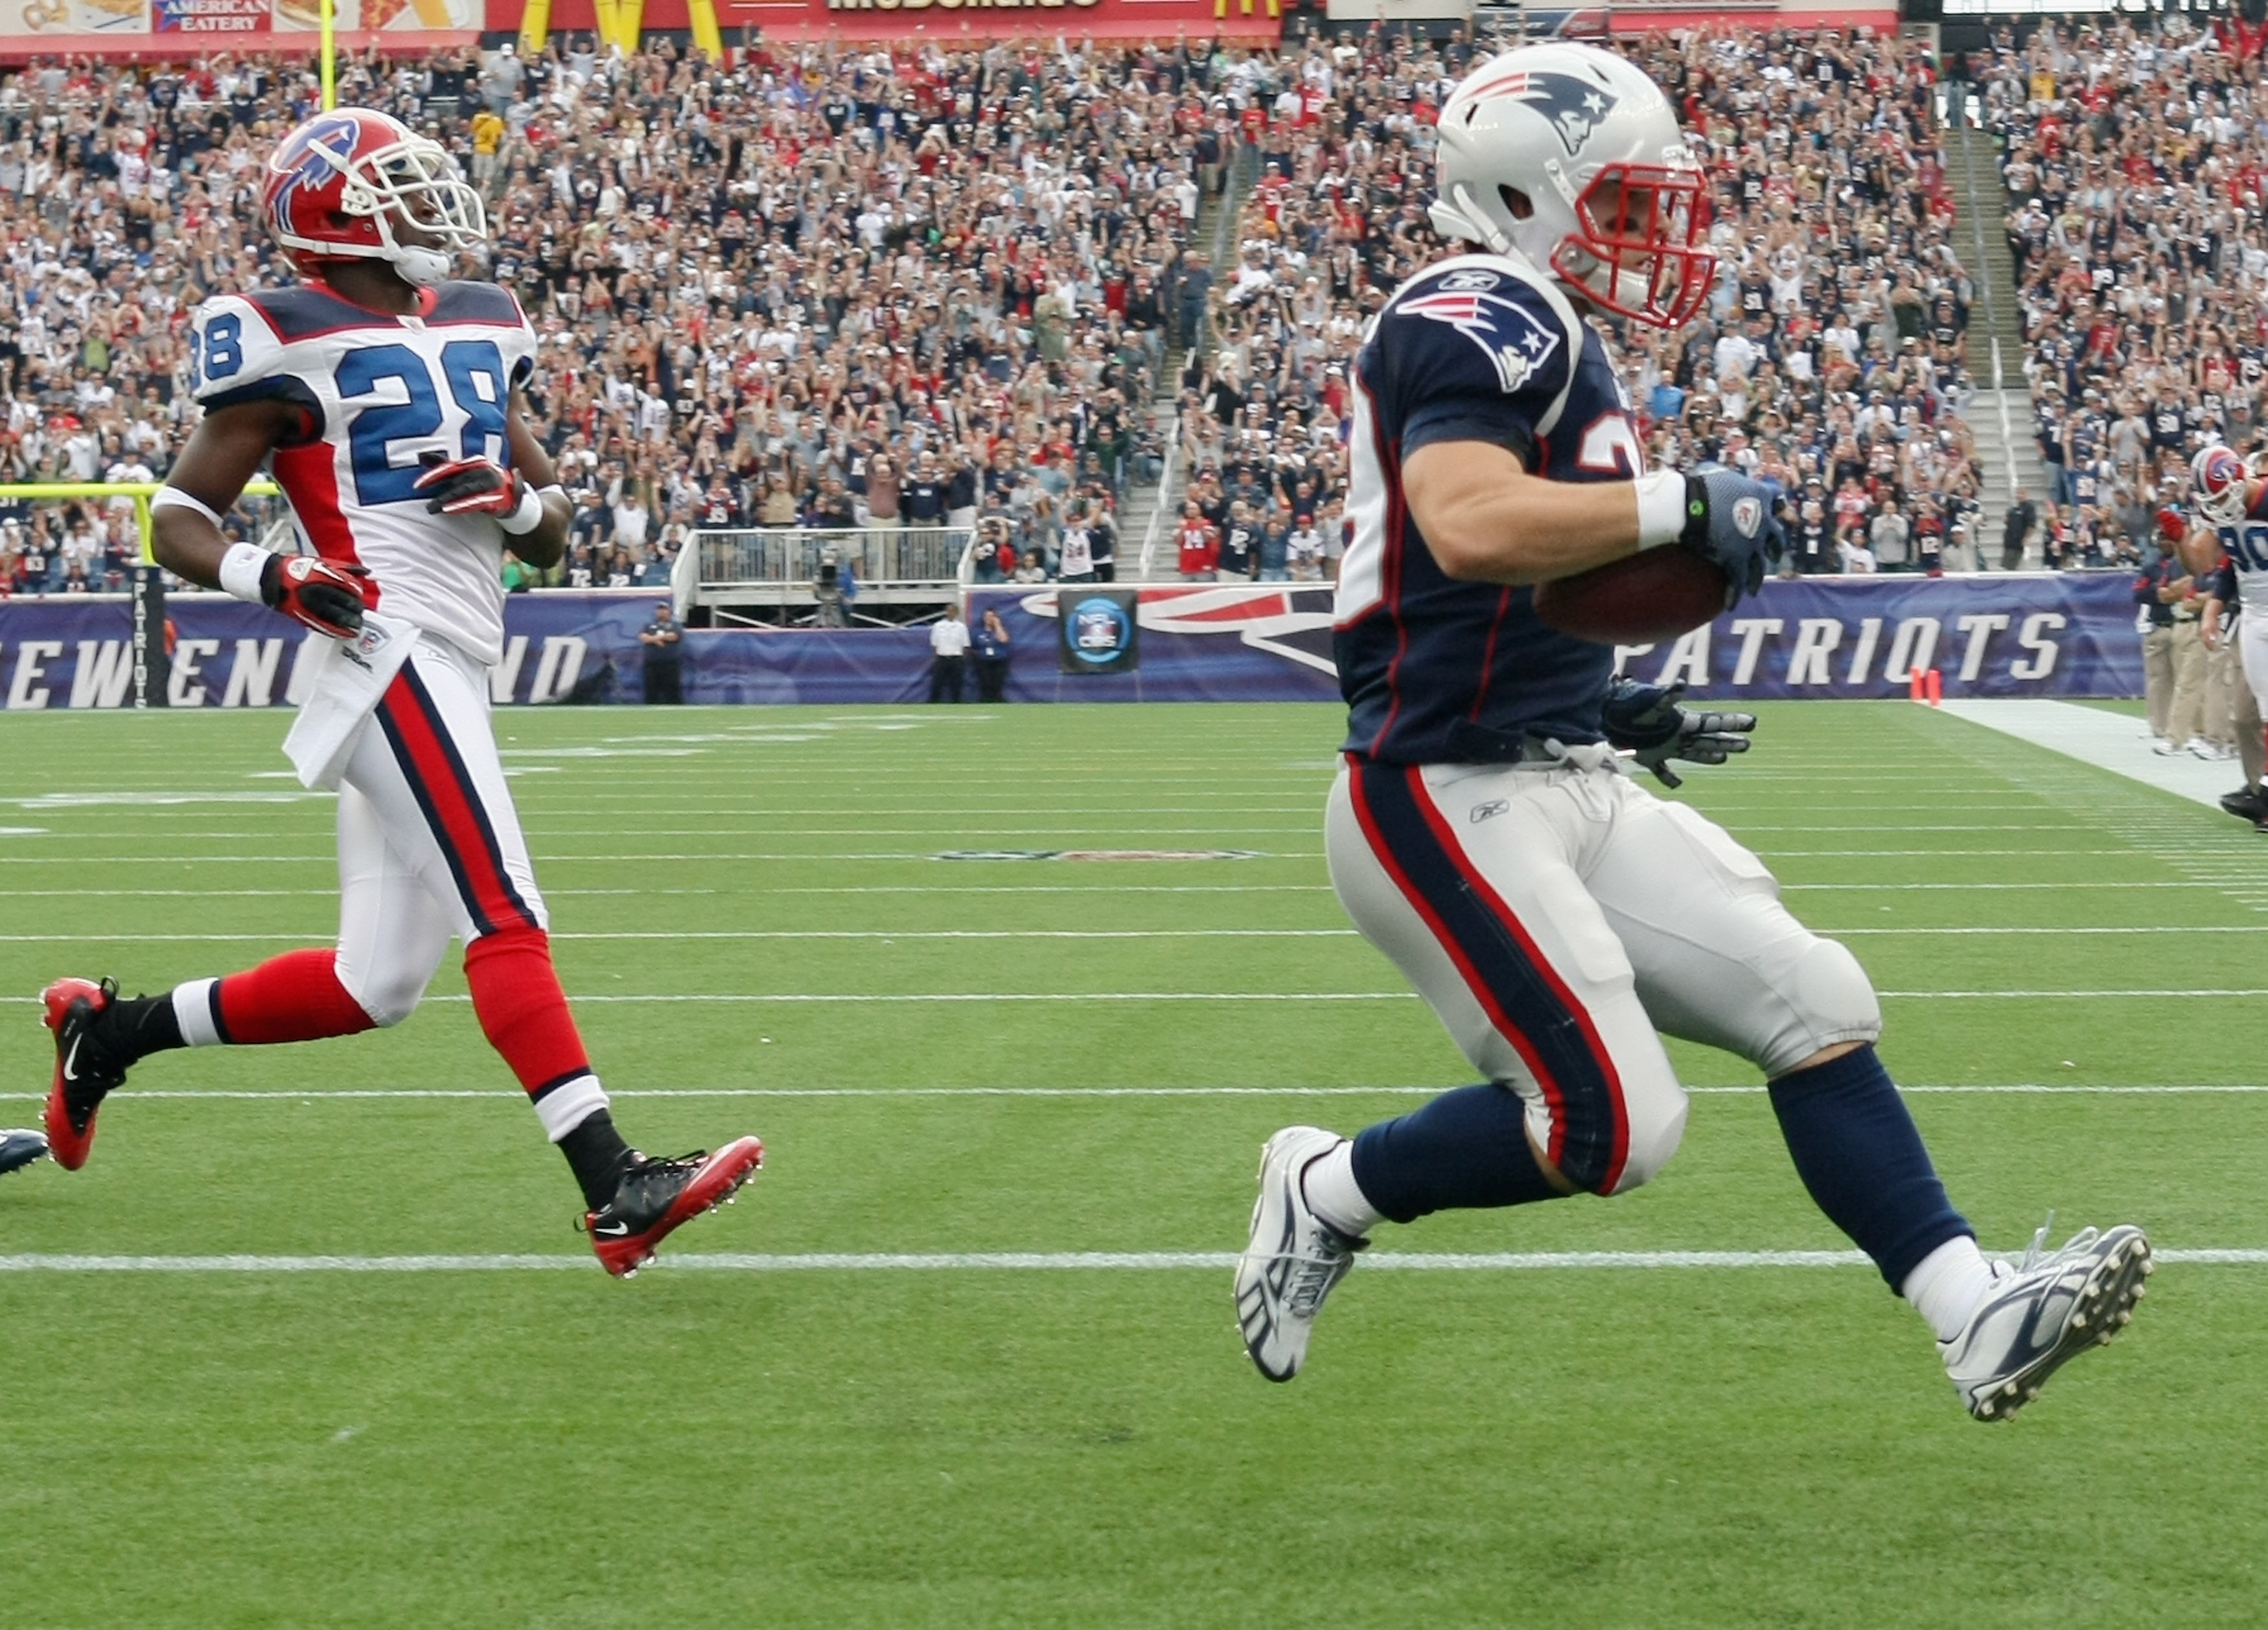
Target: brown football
{"x":1654,"y":595}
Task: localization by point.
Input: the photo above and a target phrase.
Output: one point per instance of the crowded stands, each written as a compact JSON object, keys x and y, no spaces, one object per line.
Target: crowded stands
{"x":876,"y":290}
{"x":821,"y":288}
{"x":2135,"y":166}
{"x":1832,"y":357}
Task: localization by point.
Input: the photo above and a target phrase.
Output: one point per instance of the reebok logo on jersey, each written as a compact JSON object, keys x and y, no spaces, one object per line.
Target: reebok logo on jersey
{"x":1515,"y":344}
{"x":1490,"y":810}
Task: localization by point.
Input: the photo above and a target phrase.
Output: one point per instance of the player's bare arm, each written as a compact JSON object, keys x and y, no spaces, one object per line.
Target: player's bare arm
{"x":1489,"y":521}
{"x":223,"y":452}
{"x":227,"y":446}
{"x":546,"y":546}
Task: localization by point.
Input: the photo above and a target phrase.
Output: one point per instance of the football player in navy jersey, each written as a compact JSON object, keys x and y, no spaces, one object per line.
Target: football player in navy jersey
{"x":1483,"y":832}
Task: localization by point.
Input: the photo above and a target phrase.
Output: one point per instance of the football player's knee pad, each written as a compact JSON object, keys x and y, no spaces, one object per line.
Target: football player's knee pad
{"x":388,"y":998}
{"x":1828,"y":1000}
{"x":388,"y":987}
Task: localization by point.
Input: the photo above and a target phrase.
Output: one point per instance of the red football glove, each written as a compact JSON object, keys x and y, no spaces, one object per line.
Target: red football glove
{"x":326,"y":598}
{"x":471,"y":487}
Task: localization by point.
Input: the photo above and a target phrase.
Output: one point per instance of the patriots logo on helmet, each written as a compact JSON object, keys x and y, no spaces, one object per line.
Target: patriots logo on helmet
{"x":1507,"y":334}
{"x":1574,"y":106}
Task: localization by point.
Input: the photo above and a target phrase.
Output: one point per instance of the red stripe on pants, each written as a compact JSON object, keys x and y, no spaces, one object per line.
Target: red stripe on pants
{"x":1475,"y":982}
{"x":460,"y":825}
{"x":1485,"y":892}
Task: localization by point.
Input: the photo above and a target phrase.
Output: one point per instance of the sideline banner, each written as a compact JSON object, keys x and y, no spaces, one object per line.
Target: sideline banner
{"x":2018,"y":634}
{"x":77,"y":650}
{"x":2026,"y":634}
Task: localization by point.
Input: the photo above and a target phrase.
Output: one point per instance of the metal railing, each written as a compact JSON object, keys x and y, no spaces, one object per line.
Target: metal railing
{"x":881,"y":556}
{"x":1165,"y":474}
{"x":1984,"y":279}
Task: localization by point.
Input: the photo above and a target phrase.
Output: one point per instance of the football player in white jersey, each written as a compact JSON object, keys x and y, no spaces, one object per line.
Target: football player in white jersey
{"x":388,"y":401}
{"x":2232,"y":500}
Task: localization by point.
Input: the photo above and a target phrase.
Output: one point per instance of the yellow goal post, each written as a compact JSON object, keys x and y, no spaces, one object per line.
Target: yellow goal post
{"x":147,"y":589}
{"x":141,"y":492}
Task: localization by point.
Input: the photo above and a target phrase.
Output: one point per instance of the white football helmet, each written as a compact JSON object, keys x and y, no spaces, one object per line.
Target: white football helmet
{"x":1572,"y":158}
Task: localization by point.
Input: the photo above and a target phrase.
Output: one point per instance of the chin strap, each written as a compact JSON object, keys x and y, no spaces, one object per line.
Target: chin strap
{"x":422,"y":268}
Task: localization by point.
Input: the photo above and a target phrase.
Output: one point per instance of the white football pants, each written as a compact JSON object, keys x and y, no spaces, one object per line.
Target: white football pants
{"x":1556,"y":915}
{"x":429,"y":845}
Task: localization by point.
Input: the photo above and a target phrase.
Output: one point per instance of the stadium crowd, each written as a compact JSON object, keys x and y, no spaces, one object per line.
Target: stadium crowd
{"x":831,"y":288}
{"x":897,"y":294}
{"x":2136,"y":164}
{"x":1831,"y":357}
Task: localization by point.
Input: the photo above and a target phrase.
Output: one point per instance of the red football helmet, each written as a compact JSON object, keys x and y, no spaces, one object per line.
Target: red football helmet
{"x":2217,"y":483}
{"x":340,"y":185}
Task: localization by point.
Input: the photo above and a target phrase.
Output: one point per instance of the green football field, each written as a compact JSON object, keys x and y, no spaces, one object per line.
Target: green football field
{"x":964,"y":1355}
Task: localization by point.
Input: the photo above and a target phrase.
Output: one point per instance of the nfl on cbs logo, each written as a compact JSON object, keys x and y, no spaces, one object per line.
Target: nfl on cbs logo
{"x":1099,"y":631}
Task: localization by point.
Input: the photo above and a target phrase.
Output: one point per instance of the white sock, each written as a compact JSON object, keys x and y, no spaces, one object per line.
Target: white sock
{"x":1947,"y":1286}
{"x":193,"y":1011}
{"x":1334,"y":1196}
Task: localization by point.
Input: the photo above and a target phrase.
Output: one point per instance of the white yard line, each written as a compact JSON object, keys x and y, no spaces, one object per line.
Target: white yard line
{"x":2092,"y":884}
{"x":803,"y":857}
{"x":1218,"y":1261}
{"x":505,"y":1096}
{"x":753,"y":934}
{"x":128,"y":936}
{"x":854,"y":997}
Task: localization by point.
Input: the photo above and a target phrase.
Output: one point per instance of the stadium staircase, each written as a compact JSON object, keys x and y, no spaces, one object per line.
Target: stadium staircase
{"x":1156,"y":504}
{"x":2000,"y":414}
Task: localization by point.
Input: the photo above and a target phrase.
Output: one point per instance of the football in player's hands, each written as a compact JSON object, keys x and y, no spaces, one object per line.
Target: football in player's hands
{"x":326,"y":598}
{"x":1642,"y":600}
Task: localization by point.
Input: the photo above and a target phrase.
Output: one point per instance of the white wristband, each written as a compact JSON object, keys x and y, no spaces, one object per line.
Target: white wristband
{"x":241,"y":571}
{"x":527,"y":516}
{"x":1661,"y":508}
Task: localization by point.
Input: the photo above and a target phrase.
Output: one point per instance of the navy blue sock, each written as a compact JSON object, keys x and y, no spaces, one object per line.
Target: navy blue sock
{"x":1466,"y":1149}
{"x":1857,"y":1150}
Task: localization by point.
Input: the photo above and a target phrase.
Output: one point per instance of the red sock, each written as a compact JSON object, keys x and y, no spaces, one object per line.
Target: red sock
{"x":294,"y":997}
{"x":522,"y":1010}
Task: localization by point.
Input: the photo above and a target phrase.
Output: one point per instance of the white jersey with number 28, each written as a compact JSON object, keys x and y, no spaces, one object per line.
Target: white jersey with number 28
{"x":384,"y":396}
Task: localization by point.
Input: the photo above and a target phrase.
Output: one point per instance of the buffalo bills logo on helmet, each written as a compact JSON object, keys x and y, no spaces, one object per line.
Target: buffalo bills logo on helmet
{"x":310,"y":157}
{"x":1574,"y":106}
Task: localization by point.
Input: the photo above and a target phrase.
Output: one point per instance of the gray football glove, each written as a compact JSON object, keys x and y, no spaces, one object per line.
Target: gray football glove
{"x":1647,"y":719}
{"x":1734,"y":522}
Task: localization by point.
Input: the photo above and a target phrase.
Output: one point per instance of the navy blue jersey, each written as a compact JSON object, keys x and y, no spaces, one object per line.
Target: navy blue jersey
{"x":1476,"y":348}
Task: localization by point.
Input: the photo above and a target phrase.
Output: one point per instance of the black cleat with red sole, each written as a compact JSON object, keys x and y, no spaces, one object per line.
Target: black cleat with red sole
{"x":657,"y":1196}
{"x":84,"y":1070}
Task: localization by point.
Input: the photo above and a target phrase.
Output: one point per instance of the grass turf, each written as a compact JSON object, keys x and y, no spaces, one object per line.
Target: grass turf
{"x":1089,"y":1447}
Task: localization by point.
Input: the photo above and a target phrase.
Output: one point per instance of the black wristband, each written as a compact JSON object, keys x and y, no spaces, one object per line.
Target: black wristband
{"x":271,"y":582}
{"x":1696,"y":535}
